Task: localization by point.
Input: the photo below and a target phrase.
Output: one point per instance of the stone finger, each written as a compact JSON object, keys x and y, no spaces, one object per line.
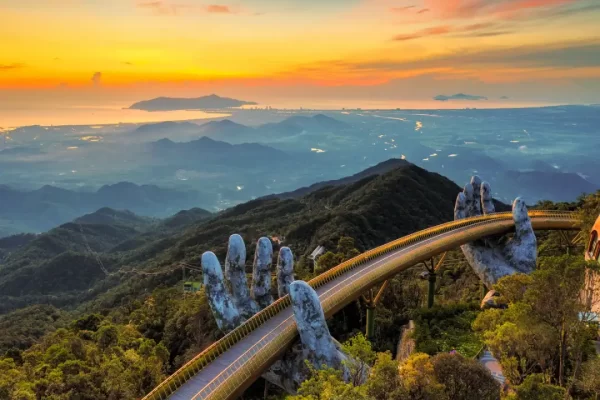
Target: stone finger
{"x":476,"y":184}
{"x":235,"y":272}
{"x":221,"y":303}
{"x":312,"y":327}
{"x":522,"y":250}
{"x":468,"y":192}
{"x":487,"y":202}
{"x":261,"y":274}
{"x":285,"y":271}
{"x":460,"y":205}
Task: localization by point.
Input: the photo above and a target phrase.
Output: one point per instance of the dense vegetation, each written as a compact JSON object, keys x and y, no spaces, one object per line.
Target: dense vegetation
{"x":98,"y":335}
{"x":420,"y":377}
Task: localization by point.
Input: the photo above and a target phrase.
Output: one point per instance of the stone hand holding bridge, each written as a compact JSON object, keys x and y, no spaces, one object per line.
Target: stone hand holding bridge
{"x":232,"y":303}
{"x":496,"y":256}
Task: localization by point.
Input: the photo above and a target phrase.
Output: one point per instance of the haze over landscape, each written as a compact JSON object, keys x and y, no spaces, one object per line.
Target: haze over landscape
{"x":138,"y":136}
{"x":312,"y":54}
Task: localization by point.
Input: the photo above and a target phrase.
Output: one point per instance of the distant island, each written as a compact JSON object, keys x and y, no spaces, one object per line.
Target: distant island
{"x":459,"y":96}
{"x":199,"y":103}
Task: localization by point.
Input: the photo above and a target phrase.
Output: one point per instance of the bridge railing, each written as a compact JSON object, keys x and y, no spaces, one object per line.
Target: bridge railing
{"x":195,"y":365}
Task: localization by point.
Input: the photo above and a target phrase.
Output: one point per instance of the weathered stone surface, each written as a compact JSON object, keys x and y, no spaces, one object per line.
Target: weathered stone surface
{"x":221,"y":303}
{"x":261,"y":274}
{"x":468,"y":191}
{"x":460,"y":206}
{"x":476,"y":184}
{"x":285,"y":271}
{"x":494,"y":257}
{"x":486,"y":199}
{"x":312,"y":327}
{"x":235,"y":272}
{"x":315,"y":345}
{"x":521,"y":251}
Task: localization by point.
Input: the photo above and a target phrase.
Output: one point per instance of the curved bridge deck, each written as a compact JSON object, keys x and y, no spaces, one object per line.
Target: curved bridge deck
{"x":226,"y":368}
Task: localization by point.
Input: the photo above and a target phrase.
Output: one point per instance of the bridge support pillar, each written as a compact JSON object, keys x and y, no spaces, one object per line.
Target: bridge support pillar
{"x":370,"y":331}
{"x":431,"y":291}
{"x":371,"y":305}
{"x":431,"y":268}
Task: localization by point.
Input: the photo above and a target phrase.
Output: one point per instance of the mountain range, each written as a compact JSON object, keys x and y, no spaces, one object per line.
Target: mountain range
{"x":208,"y":151}
{"x":67,"y":265}
{"x":44,"y":208}
{"x":236,"y":133}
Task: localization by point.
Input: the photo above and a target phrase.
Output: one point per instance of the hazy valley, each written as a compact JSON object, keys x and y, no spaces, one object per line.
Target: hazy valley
{"x":52,"y":174}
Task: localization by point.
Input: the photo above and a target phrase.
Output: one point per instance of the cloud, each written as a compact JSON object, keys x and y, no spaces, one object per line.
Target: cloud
{"x":570,"y":54}
{"x":97,"y":78}
{"x":552,"y":63}
{"x":564,"y":12}
{"x":163,"y":7}
{"x":218,"y":9}
{"x":498,"y":8}
{"x":436,"y":30}
{"x":459,"y":96}
{"x":487,"y":34}
{"x":423,"y":11}
{"x":401,"y":9}
{"x":126,"y":63}
{"x":442,"y":30}
{"x":9,"y":67}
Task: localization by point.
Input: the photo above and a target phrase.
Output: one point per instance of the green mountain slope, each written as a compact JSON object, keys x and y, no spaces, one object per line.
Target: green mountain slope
{"x":59,"y":268}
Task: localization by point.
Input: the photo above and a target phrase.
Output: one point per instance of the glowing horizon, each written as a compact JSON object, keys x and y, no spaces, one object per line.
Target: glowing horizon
{"x":527,"y":50}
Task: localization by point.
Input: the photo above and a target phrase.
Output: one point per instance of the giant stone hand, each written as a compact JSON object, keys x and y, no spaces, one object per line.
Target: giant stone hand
{"x":494,"y":257}
{"x":232,"y":303}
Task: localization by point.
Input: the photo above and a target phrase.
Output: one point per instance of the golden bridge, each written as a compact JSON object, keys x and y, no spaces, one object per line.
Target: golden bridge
{"x":226,"y":368}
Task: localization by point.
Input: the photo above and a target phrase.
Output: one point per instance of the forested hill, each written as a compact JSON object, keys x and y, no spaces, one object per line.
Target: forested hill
{"x":111,"y":282}
{"x":378,"y":169}
{"x":67,"y":266}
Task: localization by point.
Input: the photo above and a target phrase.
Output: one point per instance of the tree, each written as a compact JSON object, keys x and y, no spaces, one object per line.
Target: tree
{"x":384,"y":380}
{"x":542,"y":330}
{"x":419,"y":380}
{"x":554,"y":295}
{"x":327,"y":384}
{"x":345,"y":250}
{"x":463,"y":378}
{"x":590,"y":377}
{"x":107,"y":336}
{"x":89,"y":322}
{"x":588,"y":210}
{"x":327,"y":261}
{"x":361,"y":358}
{"x":534,"y":388}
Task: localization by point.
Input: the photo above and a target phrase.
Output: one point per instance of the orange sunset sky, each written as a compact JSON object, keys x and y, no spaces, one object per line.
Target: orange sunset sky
{"x":117,"y":51}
